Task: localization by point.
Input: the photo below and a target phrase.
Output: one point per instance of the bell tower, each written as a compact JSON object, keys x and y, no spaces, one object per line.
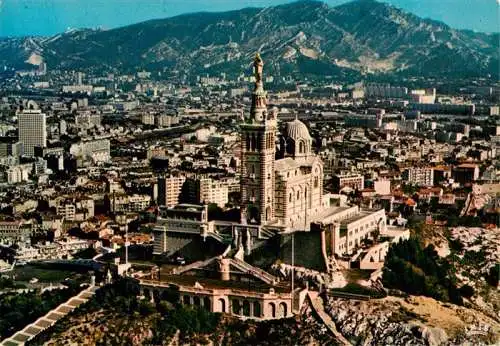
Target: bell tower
{"x":258,"y":132}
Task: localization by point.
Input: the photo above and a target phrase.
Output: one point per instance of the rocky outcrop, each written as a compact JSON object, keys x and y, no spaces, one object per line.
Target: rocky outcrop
{"x":479,"y":253}
{"x":414,"y":321}
{"x":333,"y":279}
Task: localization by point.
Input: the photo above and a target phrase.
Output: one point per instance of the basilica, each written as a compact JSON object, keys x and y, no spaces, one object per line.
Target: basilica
{"x":279,"y":188}
{"x":282,"y":200}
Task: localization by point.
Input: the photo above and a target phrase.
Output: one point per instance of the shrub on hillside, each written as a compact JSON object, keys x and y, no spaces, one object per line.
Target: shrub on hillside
{"x":420,"y":271}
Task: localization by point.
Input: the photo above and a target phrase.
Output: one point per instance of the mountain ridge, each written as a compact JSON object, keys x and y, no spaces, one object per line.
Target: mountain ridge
{"x":305,"y":37}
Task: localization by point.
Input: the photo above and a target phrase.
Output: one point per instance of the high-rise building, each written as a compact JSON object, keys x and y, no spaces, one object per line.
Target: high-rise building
{"x":169,"y":189}
{"x":258,"y":154}
{"x":32,"y":126}
{"x":80,"y":78}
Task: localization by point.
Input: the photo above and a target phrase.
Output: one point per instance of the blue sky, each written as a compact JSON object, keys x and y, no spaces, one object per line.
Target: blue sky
{"x":48,"y":17}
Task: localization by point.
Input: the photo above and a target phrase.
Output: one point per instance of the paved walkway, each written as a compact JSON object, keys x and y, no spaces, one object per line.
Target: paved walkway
{"x":44,"y":322}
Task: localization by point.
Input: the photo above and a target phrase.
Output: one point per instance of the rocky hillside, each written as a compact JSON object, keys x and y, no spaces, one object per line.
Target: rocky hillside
{"x":411,"y":321}
{"x":307,"y":37}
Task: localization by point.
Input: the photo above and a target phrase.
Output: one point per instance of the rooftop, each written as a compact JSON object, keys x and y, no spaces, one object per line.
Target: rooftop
{"x":208,"y":283}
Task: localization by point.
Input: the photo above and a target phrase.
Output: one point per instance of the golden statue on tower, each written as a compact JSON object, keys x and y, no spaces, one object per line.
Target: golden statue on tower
{"x":258,"y":66}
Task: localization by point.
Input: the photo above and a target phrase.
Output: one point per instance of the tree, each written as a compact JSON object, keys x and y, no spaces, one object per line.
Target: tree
{"x":493,"y":277}
{"x":467,"y":291}
{"x":416,"y":270}
{"x":215,"y":212}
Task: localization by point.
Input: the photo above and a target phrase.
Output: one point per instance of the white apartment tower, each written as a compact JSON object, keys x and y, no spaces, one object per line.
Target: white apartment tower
{"x":32,"y":127}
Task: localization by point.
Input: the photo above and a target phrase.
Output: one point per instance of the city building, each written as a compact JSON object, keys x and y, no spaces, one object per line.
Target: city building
{"x":353,"y":181}
{"x":440,"y":108}
{"x":169,"y":189}
{"x":350,"y":226}
{"x":19,"y":173}
{"x":148,"y":119}
{"x":385,"y":91}
{"x":369,"y":121}
{"x":129,"y":204}
{"x":423,"y":176}
{"x":73,"y":209}
{"x":423,"y":96}
{"x":92,"y":151}
{"x":32,"y":127}
{"x":177,"y":224}
{"x":79,"y":88}
{"x":12,"y":232}
{"x":465,"y":173}
{"x":212,"y":191}
{"x":88,"y":120}
{"x":10,"y":147}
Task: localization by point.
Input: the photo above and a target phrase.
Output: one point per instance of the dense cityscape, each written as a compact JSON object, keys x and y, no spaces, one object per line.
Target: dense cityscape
{"x":264,"y":207}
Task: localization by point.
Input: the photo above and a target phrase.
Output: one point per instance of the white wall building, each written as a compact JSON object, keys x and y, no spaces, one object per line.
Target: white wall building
{"x":96,"y":150}
{"x":169,"y":189}
{"x":213,"y":192}
{"x":32,"y":126}
{"x":423,"y":176}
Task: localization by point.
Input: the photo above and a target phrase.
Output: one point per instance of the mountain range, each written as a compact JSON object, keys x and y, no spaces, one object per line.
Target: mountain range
{"x":307,"y":37}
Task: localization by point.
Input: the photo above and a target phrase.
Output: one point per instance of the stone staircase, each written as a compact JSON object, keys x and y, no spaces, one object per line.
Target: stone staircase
{"x":266,"y":234}
{"x":51,"y":318}
{"x":261,"y":274}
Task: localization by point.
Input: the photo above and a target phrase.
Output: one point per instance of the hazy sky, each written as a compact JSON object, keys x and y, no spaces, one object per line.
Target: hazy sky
{"x":48,"y":17}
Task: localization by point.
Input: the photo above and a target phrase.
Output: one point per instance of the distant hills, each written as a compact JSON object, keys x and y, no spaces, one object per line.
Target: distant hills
{"x":305,"y":37}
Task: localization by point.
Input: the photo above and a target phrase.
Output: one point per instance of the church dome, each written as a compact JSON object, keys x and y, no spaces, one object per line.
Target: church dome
{"x":297,"y":130}
{"x":296,"y":140}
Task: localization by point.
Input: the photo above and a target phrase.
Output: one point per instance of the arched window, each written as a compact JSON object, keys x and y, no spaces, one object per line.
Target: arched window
{"x":146,"y":293}
{"x":236,"y":307}
{"x":316,"y":182}
{"x":283,"y":310}
{"x":206,"y":303}
{"x":290,"y":197}
{"x":246,"y":308}
{"x":156,"y":295}
{"x":256,"y":309}
{"x":222,"y":305}
{"x":272,"y":307}
{"x":298,"y":195}
{"x":252,"y":169}
{"x":301,"y":147}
